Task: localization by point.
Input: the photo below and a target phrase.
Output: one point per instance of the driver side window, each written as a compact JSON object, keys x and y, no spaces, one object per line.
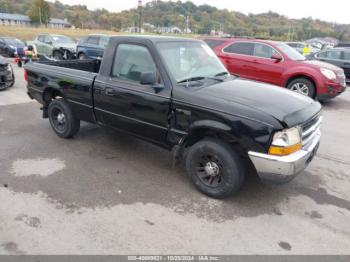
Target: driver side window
{"x":264,"y":51}
{"x":131,"y":61}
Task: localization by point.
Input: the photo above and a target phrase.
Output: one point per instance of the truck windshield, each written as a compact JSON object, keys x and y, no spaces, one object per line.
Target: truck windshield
{"x":291,"y":52}
{"x":190,"y":60}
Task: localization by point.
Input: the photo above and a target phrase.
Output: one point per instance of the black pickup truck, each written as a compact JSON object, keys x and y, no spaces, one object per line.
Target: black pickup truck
{"x":175,"y":92}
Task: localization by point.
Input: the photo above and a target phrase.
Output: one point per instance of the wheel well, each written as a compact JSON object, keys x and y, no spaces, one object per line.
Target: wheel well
{"x":50,"y":94}
{"x":56,"y":51}
{"x":302,"y":76}
{"x":203,"y":133}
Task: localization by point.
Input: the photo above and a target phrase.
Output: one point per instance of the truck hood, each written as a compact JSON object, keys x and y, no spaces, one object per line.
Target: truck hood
{"x":319,"y":64}
{"x":288,"y":107}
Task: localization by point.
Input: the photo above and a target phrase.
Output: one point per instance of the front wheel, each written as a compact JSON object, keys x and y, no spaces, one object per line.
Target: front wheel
{"x":214,"y":168}
{"x":57,"y":55}
{"x":302,"y":86}
{"x":62,"y":119}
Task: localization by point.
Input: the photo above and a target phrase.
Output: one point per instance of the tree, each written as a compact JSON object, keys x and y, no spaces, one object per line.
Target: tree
{"x":40,"y":12}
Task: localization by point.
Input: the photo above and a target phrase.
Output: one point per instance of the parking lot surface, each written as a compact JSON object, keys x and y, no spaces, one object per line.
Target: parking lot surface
{"x":108,"y":193}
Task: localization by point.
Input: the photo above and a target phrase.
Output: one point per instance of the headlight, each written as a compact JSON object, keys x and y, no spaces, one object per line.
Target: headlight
{"x":9,"y":68}
{"x":286,"y":142}
{"x":328,"y":73}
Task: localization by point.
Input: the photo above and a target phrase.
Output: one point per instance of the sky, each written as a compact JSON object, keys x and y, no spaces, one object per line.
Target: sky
{"x":334,"y":11}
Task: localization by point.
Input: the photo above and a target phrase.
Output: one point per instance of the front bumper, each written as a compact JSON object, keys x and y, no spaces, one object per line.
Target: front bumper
{"x":332,"y":90}
{"x":282,"y":169}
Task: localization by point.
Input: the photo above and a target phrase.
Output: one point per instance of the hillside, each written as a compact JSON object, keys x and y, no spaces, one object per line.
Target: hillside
{"x":202,"y":19}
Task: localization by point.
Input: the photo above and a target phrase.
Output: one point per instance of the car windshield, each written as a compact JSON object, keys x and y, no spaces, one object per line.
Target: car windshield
{"x":291,"y":52}
{"x":190,"y":60}
{"x":62,"y":39}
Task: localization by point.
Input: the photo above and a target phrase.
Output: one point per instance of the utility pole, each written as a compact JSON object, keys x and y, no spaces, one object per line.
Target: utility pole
{"x":40,"y":16}
{"x":139,"y":7}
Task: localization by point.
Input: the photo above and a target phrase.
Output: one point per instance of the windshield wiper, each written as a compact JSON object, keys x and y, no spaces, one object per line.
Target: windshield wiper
{"x":190,"y":79}
{"x":222,"y":74}
{"x":198,"y":78}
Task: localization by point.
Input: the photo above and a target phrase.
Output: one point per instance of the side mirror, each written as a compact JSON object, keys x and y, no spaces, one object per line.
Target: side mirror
{"x":276,"y":57}
{"x":148,"y":78}
{"x":49,"y":43}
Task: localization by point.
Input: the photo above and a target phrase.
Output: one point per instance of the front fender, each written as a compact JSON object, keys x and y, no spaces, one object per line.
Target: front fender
{"x":248,"y":134}
{"x":300,"y":72}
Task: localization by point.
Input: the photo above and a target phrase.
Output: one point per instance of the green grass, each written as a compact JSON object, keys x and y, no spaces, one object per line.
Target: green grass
{"x":29,"y":33}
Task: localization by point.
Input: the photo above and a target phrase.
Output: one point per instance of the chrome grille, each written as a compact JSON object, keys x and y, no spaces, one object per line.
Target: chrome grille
{"x":310,"y":129}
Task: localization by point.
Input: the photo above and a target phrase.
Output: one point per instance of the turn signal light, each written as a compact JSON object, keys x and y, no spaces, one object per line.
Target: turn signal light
{"x":284,"y":151}
{"x":26,"y":75}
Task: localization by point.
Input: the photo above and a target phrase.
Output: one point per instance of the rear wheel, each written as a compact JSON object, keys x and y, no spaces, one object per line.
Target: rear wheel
{"x":214,"y":168}
{"x":302,"y":86}
{"x":62,"y":119}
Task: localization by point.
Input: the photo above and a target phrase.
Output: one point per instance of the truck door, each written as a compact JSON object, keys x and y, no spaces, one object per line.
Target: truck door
{"x":123,"y":102}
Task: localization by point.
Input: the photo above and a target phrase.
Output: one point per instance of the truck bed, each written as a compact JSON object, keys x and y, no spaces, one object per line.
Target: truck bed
{"x":88,"y":65}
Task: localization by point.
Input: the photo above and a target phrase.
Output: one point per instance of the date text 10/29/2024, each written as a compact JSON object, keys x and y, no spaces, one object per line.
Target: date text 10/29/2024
{"x":173,"y":258}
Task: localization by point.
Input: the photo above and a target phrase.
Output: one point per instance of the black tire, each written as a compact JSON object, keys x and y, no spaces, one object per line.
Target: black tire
{"x":19,"y":64}
{"x":82,"y":56}
{"x":302,"y":86}
{"x":57,"y":55}
{"x":66,"y":125}
{"x":13,"y":79}
{"x":228,"y":170}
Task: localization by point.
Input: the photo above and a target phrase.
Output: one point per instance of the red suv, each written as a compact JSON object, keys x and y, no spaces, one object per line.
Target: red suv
{"x":279,"y":64}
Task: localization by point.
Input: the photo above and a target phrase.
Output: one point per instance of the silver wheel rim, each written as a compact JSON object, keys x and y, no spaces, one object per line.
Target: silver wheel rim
{"x":300,"y":88}
{"x":61,"y":119}
{"x":212,"y":169}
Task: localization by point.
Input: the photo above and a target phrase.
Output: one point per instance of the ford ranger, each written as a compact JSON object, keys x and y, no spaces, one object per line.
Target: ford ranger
{"x":176,"y":93}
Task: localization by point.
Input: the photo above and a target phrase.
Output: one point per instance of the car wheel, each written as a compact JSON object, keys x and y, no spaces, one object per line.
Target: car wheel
{"x":82,"y":56}
{"x":302,"y":86}
{"x":13,"y":79}
{"x":214,"y":168}
{"x":57,"y":55}
{"x":62,"y":120}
